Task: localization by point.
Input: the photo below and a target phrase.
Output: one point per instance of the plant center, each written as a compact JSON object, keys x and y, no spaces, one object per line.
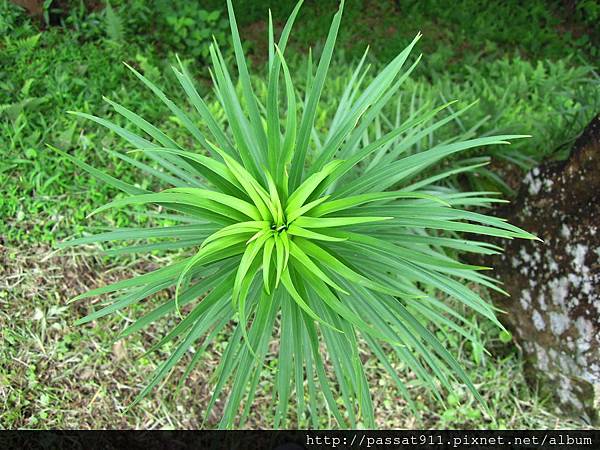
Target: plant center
{"x":279,"y":227}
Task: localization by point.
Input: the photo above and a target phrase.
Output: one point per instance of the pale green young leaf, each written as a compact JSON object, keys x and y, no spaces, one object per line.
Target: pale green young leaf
{"x":310,"y":108}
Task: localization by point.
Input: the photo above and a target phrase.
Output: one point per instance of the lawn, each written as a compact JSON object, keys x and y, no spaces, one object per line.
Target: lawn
{"x":530,"y":68}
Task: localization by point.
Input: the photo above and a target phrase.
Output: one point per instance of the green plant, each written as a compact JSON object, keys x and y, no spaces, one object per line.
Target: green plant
{"x":322,"y":240}
{"x":114,"y":24}
{"x":551,"y":101}
{"x":453,"y":37}
{"x":11,"y":20}
{"x":190,"y":30}
{"x":68,"y":364}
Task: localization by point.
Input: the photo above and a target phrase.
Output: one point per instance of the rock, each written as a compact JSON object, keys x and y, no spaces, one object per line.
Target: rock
{"x":554,"y":308}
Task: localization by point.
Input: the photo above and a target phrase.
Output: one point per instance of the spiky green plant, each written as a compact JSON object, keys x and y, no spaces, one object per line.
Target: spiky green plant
{"x":336,"y":241}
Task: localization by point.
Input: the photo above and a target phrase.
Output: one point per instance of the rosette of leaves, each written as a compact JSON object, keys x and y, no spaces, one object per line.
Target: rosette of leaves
{"x":329,"y":245}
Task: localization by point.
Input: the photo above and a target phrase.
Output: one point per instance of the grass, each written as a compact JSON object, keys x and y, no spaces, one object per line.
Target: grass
{"x":60,"y":376}
{"x":456,"y":34}
{"x":55,"y":375}
{"x":554,"y":98}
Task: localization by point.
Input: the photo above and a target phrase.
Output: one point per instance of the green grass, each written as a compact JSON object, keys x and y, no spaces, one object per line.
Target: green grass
{"x":55,"y":375}
{"x":551,"y":100}
{"x":459,"y":33}
{"x":45,"y":71}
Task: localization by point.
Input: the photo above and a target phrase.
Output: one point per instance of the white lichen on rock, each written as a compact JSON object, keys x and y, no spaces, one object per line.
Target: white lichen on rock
{"x":559,"y":323}
{"x":579,"y":253}
{"x":565,"y":393}
{"x":534,"y":183}
{"x":526,"y":299}
{"x":538,"y":320}
{"x":559,"y":290}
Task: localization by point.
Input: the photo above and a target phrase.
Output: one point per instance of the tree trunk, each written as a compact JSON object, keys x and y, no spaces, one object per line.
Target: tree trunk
{"x":554,"y":307}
